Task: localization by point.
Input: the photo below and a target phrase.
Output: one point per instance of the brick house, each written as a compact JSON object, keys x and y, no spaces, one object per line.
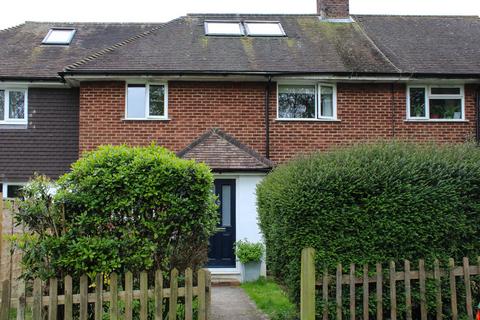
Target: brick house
{"x":238,"y":92}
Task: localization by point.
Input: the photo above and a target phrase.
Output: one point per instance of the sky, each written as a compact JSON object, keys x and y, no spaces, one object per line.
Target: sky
{"x":18,"y":11}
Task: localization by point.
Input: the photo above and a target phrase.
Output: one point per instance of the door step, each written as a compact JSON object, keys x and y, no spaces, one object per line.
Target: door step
{"x":225,"y":282}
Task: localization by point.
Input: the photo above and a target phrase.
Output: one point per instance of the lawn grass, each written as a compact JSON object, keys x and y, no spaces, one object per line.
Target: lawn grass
{"x":271,"y":299}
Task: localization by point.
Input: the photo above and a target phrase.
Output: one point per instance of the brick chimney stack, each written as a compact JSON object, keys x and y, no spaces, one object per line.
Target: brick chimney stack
{"x":333,"y":9}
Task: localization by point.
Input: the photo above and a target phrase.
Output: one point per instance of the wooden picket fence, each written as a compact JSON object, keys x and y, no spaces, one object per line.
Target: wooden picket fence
{"x":310,"y":283}
{"x":47,"y":305}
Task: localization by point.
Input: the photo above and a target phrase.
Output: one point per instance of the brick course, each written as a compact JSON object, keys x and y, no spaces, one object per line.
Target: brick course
{"x":367,"y":112}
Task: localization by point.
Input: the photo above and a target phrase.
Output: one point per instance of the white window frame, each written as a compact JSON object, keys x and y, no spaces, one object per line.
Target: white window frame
{"x":429,"y":95}
{"x":248,"y":33}
{"x":318,"y":91}
{"x":239,"y":23}
{"x":5,"y":187}
{"x":66,"y":43}
{"x":147,"y":101}
{"x":6,"y":106}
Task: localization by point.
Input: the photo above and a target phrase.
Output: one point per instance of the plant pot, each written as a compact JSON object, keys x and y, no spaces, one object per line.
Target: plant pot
{"x":250,"y":271}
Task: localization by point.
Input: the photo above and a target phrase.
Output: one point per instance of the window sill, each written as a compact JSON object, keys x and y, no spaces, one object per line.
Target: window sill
{"x":7,"y":125}
{"x":307,"y":120}
{"x":436,"y":120}
{"x":147,"y":119}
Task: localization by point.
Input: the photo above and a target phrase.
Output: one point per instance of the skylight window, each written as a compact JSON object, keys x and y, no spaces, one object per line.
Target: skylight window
{"x":223,"y":28}
{"x":269,"y":29}
{"x":59,"y":36}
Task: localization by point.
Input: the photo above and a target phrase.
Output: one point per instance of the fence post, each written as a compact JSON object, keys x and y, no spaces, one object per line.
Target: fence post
{"x":307,"y":285}
{"x":5,"y":305}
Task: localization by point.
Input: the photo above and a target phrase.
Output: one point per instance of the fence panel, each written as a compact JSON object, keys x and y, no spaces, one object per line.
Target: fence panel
{"x":396,"y":286}
{"x":46,"y":297}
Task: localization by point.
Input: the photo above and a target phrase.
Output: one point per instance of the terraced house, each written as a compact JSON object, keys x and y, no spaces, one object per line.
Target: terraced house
{"x":241,"y":93}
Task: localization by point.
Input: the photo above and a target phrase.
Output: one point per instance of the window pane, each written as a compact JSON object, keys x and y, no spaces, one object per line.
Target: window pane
{"x":136,"y":101}
{"x":446,"y":91}
{"x":226,"y":206}
{"x":326,"y":102}
{"x":14,"y":191}
{"x":226,"y":28}
{"x":59,"y":36}
{"x":445,"y":108}
{"x":264,"y":29}
{"x":157,"y":100}
{"x":2,"y":105}
{"x":16,"y":108}
{"x":417,"y":102}
{"x":296,"y":102}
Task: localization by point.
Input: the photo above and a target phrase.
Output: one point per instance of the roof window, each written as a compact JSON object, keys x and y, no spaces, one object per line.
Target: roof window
{"x":223,"y":28}
{"x":264,"y":28}
{"x":60,"y":36}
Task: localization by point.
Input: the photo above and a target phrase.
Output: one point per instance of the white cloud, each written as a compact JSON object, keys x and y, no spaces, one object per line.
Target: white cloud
{"x":18,"y":11}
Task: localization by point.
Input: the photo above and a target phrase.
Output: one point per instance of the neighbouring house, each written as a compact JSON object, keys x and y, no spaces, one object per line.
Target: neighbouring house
{"x":241,"y":93}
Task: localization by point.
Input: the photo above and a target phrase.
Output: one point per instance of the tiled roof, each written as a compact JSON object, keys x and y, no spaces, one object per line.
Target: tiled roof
{"x":222,"y":152}
{"x":22,"y":54}
{"x":427,"y":44}
{"x":181,"y":45}
{"x":369,"y":45}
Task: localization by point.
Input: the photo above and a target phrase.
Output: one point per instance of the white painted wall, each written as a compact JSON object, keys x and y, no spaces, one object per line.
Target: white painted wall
{"x":246,"y":213}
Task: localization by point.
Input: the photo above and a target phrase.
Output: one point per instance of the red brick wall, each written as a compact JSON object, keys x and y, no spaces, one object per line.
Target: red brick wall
{"x":367,"y":112}
{"x":193,"y":108}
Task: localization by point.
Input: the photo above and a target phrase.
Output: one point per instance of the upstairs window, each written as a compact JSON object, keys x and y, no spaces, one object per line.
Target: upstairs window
{"x":59,"y":36}
{"x":435,"y":103}
{"x":307,"y":102}
{"x":265,"y":29}
{"x":218,"y":28}
{"x":13,"y":106}
{"x":146,"y":101}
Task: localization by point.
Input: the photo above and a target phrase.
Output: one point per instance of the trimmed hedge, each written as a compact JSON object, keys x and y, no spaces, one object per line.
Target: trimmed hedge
{"x":369,"y":204}
{"x":119,"y":209}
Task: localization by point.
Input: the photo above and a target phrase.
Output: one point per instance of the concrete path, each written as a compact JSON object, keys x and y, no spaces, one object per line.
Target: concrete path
{"x":232,"y":303}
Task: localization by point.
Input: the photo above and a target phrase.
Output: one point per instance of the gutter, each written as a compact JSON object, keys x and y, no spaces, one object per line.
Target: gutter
{"x":268,"y":91}
{"x":341,"y":75}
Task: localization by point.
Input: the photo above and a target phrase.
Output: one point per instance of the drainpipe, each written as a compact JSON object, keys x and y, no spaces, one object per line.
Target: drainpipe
{"x":478,"y":115}
{"x":393,"y":110}
{"x":267,"y":117}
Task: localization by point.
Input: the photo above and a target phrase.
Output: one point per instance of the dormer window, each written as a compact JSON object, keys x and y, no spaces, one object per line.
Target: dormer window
{"x":59,"y":36}
{"x":264,"y":29}
{"x":223,"y":28}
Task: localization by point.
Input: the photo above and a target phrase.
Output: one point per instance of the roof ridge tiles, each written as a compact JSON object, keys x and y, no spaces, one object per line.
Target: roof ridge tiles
{"x":117,"y":45}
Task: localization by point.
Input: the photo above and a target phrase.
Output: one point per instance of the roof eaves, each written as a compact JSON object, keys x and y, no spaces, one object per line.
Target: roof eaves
{"x":116,"y":46}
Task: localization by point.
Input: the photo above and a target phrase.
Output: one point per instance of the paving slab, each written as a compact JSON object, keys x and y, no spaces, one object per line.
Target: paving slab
{"x":232,"y":303}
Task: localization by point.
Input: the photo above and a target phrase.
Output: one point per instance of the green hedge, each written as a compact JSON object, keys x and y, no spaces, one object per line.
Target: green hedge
{"x":119,"y":209}
{"x":369,"y":204}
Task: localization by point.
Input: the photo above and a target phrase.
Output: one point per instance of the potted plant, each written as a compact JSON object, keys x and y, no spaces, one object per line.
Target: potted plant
{"x":250,"y":255}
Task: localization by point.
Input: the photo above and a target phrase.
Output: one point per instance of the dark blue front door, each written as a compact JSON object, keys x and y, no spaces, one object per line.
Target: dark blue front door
{"x":220,"y":252}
